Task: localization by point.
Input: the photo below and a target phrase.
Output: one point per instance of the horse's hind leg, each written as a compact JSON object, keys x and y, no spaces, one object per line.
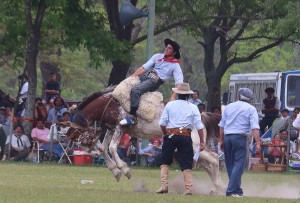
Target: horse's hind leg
{"x":111,"y":165}
{"x":113,"y":150}
{"x":213,"y":171}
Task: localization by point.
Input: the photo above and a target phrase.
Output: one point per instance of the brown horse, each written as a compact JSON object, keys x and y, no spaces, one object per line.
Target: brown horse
{"x":104,"y":109}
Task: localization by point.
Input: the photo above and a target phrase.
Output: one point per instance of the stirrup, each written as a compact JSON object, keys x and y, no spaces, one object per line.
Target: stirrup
{"x":127,"y":121}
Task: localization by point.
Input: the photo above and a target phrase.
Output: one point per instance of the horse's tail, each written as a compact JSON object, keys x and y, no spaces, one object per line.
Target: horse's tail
{"x":211,"y":121}
{"x":93,"y":96}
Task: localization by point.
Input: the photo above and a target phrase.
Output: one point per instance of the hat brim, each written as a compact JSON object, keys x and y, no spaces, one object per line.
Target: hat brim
{"x":181,"y":91}
{"x":175,"y":47}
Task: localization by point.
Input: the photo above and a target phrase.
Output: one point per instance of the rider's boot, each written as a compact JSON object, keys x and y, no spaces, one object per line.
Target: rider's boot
{"x":187,"y":176}
{"x":164,"y":173}
{"x":130,"y":119}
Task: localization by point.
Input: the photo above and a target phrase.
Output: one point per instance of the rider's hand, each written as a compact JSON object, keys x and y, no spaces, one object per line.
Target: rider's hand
{"x":222,"y":146}
{"x":202,"y":146}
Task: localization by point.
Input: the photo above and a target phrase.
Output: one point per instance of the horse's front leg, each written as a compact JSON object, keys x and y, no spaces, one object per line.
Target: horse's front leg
{"x":113,"y":150}
{"x":111,"y":165}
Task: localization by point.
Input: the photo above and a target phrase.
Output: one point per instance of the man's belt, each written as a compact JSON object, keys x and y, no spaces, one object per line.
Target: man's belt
{"x":154,"y":76}
{"x":179,"y":131}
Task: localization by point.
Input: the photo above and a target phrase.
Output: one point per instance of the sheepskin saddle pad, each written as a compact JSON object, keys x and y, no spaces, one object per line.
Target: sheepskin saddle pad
{"x":150,"y":102}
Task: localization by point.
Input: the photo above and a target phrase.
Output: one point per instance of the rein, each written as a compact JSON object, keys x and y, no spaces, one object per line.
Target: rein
{"x":108,"y":103}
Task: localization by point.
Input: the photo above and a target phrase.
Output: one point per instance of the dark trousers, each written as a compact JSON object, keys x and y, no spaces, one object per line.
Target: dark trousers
{"x":18,"y":156}
{"x":235,"y":151}
{"x":147,"y":85}
{"x":266,"y":121}
{"x":184,"y":146}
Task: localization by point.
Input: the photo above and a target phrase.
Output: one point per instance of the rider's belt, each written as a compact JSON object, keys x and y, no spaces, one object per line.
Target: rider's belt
{"x":179,"y":131}
{"x":153,"y":75}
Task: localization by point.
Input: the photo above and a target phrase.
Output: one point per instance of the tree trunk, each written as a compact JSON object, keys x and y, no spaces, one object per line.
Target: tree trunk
{"x":213,"y":79}
{"x":214,"y":92}
{"x":120,"y":68}
{"x":34,"y":35}
{"x":118,"y":72}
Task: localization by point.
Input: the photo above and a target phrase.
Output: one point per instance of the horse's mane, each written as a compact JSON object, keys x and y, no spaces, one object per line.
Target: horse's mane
{"x":80,"y":120}
{"x":93,"y":96}
{"x":211,"y":121}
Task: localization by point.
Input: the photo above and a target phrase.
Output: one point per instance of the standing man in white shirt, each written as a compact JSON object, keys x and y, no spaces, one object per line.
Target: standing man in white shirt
{"x":239,"y":119}
{"x":162,"y":67}
{"x":176,"y":122}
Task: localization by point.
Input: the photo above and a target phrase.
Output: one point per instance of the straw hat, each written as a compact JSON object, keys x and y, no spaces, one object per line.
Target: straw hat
{"x":183,"y":88}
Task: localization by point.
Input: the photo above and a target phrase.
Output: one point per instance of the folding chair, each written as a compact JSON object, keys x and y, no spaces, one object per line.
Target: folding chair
{"x":36,"y":150}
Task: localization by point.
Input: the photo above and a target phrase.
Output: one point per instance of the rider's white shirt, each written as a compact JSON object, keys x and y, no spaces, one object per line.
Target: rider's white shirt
{"x":165,"y":70}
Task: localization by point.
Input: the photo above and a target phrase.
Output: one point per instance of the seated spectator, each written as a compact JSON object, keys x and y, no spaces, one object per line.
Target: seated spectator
{"x":52,"y":89}
{"x":56,"y":114}
{"x":40,"y":110}
{"x":294,"y":133}
{"x":40,"y":134}
{"x":5,"y":116}
{"x":66,"y":116}
{"x":123,"y":147}
{"x":4,"y":133}
{"x":153,"y":153}
{"x":284,"y":135}
{"x":20,"y":145}
{"x":73,"y":111}
{"x":194,"y":99}
{"x":216,"y":110}
{"x":284,"y":113}
{"x":201,"y":107}
{"x":132,"y":152}
{"x":274,"y":149}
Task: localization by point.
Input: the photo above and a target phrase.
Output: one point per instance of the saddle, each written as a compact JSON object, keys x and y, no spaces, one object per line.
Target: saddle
{"x":150,"y":102}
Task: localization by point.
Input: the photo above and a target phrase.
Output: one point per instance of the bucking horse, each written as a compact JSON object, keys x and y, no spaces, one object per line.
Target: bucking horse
{"x":111,"y":105}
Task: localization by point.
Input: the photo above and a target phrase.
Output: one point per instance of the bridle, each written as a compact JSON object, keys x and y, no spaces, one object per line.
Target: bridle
{"x":81,"y":134}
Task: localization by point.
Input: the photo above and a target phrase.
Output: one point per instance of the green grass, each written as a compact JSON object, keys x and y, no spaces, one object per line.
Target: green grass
{"x":27,"y":182}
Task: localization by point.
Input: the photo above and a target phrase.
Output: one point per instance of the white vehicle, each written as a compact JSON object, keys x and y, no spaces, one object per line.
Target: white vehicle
{"x":286,"y":85}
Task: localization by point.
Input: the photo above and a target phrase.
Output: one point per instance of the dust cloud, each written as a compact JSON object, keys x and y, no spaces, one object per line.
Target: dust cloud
{"x":205,"y":187}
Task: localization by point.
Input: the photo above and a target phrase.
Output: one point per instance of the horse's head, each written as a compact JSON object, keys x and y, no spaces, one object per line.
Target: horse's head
{"x":84,"y":137}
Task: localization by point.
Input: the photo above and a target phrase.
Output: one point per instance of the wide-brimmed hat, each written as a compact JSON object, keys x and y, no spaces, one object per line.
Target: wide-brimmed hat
{"x":246,"y":92}
{"x":270,"y":90}
{"x":183,"y":88}
{"x":175,"y":46}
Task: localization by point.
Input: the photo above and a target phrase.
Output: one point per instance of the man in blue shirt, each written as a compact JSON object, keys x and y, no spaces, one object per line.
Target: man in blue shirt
{"x":161,"y":67}
{"x":239,"y":119}
{"x":176,"y":122}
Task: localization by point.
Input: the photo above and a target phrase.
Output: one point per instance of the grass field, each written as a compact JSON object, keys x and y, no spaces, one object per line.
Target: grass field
{"x":27,"y":182}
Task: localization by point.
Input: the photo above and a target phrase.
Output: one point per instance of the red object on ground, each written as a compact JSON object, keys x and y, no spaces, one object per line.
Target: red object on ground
{"x":81,"y":159}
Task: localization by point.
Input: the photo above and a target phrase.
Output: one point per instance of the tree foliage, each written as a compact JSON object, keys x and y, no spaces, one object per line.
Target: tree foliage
{"x":222,"y":26}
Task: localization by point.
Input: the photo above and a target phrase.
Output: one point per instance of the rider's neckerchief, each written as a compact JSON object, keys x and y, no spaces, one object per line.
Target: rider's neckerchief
{"x":170,"y":60}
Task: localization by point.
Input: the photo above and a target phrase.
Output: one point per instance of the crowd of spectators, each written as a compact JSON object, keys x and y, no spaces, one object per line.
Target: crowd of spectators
{"x":47,"y":111}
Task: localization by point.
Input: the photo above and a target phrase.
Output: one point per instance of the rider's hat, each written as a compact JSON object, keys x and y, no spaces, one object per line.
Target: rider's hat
{"x":175,"y":46}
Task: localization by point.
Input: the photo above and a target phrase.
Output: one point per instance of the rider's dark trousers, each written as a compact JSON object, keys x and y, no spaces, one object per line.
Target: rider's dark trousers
{"x":147,"y":85}
{"x":184,"y":145}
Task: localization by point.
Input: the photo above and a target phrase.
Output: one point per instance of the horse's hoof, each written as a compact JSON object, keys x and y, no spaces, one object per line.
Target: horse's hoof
{"x":117,"y":174}
{"x":127,"y":172}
